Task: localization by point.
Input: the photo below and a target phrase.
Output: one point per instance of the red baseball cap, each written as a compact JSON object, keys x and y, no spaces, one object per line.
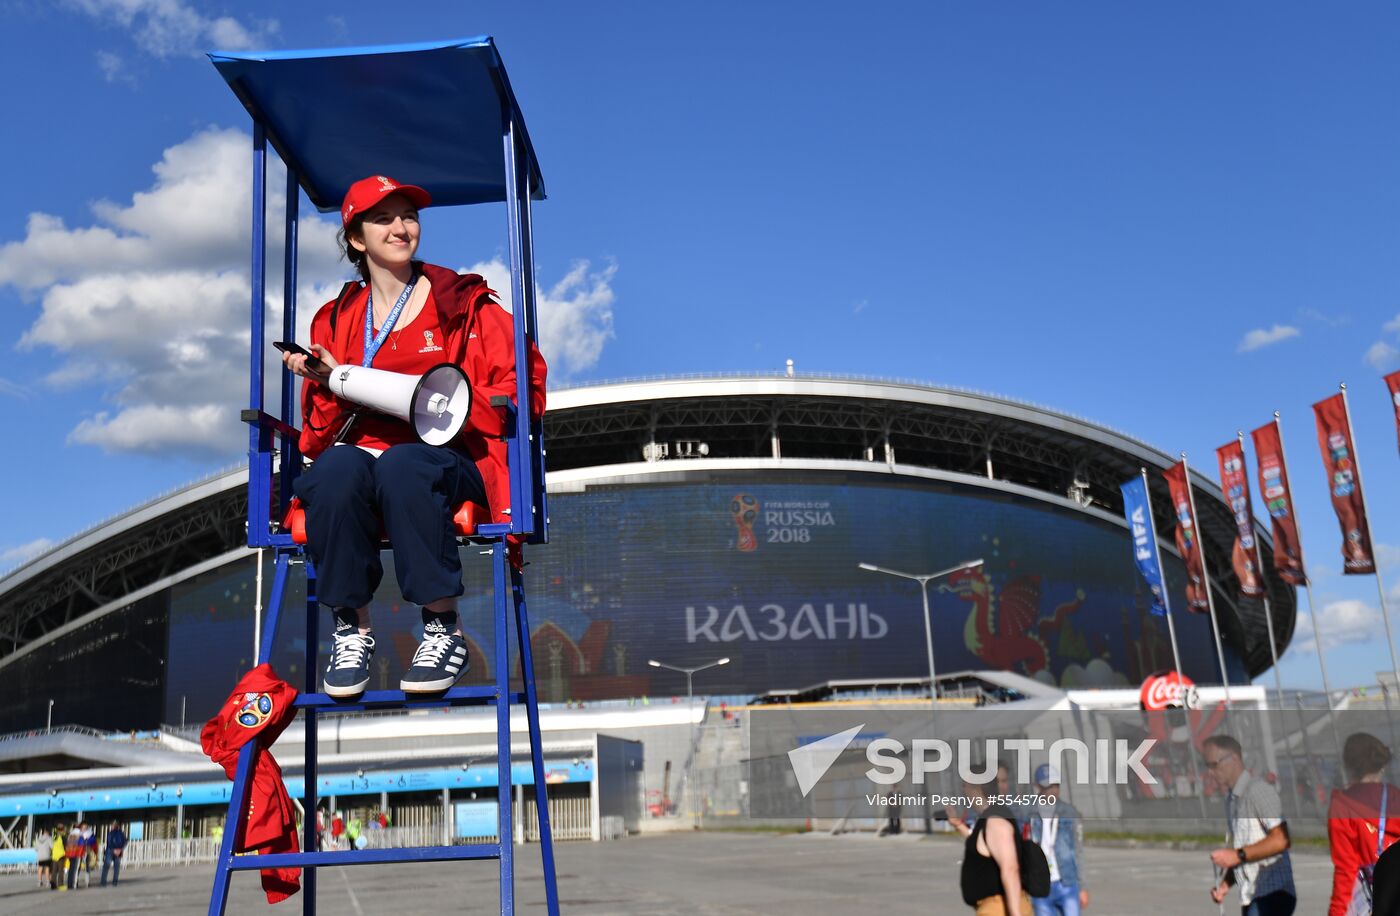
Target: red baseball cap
{"x":367,"y":192}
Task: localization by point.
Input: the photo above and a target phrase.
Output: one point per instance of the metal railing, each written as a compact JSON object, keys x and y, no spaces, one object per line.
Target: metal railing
{"x":56,"y":730}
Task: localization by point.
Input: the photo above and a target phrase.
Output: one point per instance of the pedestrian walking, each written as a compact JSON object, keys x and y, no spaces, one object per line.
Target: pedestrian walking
{"x":73,"y":853}
{"x":112,"y":854}
{"x":88,"y":840}
{"x":991,"y":869}
{"x":1363,"y":820}
{"x":43,"y":856}
{"x":1256,"y":855}
{"x":58,"y":856}
{"x":1058,"y":830}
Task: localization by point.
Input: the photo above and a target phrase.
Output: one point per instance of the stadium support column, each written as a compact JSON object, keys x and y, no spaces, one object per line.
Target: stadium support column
{"x":773,"y":435}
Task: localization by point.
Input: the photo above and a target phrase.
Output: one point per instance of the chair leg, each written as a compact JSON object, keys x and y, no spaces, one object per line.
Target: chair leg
{"x":234,"y":822}
{"x":532,"y":717}
{"x":505,"y":834}
{"x":310,"y":732}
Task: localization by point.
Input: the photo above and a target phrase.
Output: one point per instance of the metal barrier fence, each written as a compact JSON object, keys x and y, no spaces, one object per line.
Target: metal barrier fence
{"x":164,"y":853}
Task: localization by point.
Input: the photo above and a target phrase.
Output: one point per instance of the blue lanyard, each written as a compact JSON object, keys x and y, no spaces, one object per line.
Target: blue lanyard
{"x":373,"y":343}
{"x":1380,"y":833}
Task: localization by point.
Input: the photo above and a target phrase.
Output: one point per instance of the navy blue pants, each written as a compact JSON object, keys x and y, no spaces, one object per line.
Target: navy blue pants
{"x":414,"y":489}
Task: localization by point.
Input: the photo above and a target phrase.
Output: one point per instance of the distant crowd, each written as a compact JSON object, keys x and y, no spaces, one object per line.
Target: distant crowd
{"x":67,"y":856}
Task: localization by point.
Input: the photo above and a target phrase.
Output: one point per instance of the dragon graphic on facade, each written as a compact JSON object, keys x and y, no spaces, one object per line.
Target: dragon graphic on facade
{"x":1005,"y":628}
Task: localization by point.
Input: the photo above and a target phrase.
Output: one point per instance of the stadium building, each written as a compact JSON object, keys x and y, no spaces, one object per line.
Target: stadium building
{"x":693,"y":519}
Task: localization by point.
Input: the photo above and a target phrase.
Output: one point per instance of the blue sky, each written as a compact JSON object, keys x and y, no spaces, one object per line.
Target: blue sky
{"x":1170,"y":219}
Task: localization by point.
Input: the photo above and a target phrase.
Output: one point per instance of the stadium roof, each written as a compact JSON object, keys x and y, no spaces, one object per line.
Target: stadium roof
{"x":644,"y":427}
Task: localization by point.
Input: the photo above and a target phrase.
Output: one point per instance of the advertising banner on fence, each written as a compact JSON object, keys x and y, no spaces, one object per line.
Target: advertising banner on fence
{"x":1278,"y":500}
{"x":1187,"y":543}
{"x":1344,"y":484}
{"x":1234,"y":482}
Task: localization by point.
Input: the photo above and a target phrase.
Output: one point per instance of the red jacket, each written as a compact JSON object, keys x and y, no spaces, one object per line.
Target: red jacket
{"x":259,"y":708}
{"x":480,"y":338}
{"x":1353,"y":818}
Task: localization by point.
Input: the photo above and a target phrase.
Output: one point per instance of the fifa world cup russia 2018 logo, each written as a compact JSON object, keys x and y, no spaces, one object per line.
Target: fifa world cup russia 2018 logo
{"x":744,"y":508}
{"x":255,"y":710}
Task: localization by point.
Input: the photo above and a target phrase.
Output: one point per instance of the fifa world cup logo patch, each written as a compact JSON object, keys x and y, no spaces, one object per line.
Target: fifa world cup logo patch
{"x":745,"y":508}
{"x":255,"y":710}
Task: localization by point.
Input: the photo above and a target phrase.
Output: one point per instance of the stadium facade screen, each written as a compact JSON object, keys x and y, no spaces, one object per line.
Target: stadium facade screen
{"x":761,"y":567}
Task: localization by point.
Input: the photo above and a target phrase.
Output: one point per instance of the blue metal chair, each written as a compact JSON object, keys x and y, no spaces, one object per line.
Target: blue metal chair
{"x":441,"y":115}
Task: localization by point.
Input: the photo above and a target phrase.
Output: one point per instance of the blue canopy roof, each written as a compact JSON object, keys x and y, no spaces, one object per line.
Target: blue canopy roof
{"x":428,"y":114}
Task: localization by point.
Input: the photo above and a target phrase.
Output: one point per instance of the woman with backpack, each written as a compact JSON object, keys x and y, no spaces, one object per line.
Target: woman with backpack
{"x":1362,"y":821}
{"x":999,"y":868}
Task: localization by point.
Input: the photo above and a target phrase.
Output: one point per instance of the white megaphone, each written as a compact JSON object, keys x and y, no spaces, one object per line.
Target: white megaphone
{"x":435,"y":404}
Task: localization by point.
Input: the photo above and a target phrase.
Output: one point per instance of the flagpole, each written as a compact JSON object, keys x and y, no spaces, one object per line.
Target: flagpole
{"x":1166,"y":596}
{"x":1380,"y":587}
{"x":1171,"y":632}
{"x":1307,"y":584}
{"x":1205,"y":573}
{"x":1264,"y":584}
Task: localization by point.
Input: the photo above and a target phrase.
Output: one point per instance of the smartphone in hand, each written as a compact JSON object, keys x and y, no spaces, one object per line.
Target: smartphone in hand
{"x":312,"y":363}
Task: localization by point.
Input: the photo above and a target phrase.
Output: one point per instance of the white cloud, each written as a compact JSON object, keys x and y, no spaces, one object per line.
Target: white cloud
{"x":18,"y":556}
{"x":148,"y":305}
{"x":575,"y":314}
{"x":1382,"y":356}
{"x":1331,"y":320}
{"x":1261,"y":337}
{"x":1343,"y":622}
{"x":113,"y":68}
{"x":156,"y":429}
{"x":172,"y":28}
{"x":13,"y":389}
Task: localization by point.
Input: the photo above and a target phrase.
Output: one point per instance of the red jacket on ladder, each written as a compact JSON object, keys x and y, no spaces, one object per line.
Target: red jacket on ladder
{"x":259,"y":708}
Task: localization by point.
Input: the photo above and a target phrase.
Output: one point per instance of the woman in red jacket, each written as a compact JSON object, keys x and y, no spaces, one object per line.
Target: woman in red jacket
{"x":404,"y":316}
{"x":1354,"y":820}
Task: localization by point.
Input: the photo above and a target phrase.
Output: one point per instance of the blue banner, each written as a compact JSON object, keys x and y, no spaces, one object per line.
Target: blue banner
{"x":1135,"y":508}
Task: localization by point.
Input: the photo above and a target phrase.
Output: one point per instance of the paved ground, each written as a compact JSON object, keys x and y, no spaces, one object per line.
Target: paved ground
{"x":713,"y":873}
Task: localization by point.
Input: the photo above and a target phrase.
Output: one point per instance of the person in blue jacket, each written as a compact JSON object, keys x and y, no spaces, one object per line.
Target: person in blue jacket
{"x":112,"y":854}
{"x":1056,"y":827}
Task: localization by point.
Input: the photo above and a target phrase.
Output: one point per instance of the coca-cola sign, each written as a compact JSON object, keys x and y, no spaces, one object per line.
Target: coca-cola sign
{"x":1167,"y":689}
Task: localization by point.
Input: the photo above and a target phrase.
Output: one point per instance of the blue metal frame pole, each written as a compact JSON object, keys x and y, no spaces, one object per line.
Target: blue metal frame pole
{"x":259,"y":439}
{"x":505,"y":834}
{"x":532,"y":718}
{"x":309,"y":730}
{"x":540,"y":502}
{"x":235,"y":824}
{"x":521,"y":477}
{"x":291,"y":458}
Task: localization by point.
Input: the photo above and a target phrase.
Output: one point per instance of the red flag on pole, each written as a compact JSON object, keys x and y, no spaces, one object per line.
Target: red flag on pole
{"x":1339,"y":459}
{"x":1278,"y":499}
{"x":1235,"y":482}
{"x":1187,"y":544}
{"x":1392,"y":381}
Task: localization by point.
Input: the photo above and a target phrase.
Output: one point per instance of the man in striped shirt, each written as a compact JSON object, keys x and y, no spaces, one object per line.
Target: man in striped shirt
{"x":1256,"y":857}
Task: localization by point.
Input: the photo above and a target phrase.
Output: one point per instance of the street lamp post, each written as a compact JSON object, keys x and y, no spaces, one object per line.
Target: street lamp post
{"x":690,"y":707}
{"x":923,"y":581}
